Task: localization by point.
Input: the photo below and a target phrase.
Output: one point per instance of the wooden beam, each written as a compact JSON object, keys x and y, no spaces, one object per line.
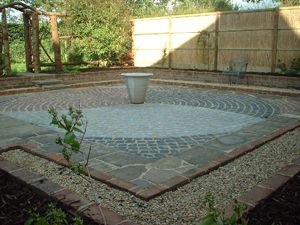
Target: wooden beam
{"x":170,"y":51}
{"x":74,"y":63}
{"x":27,"y":42}
{"x":216,"y":52}
{"x":1,"y":50}
{"x":6,"y":42}
{"x":35,"y":43}
{"x":23,"y":7}
{"x":56,"y":42}
{"x":45,"y":51}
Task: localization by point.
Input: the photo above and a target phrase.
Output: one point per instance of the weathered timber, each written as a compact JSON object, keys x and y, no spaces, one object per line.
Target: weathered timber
{"x":27,"y":42}
{"x":5,"y":43}
{"x":35,"y":43}
{"x":56,"y":42}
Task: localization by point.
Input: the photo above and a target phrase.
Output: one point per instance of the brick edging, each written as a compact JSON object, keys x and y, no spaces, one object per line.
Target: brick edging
{"x":66,"y":197}
{"x":178,"y":181}
{"x":13,"y":91}
{"x":264,"y":190}
{"x":174,"y":182}
{"x":243,"y":88}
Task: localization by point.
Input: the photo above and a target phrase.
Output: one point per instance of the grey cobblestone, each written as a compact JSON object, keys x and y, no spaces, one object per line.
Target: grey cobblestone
{"x":172,"y":115}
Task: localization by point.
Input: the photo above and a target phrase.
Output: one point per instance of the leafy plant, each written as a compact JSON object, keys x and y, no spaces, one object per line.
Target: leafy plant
{"x":72,"y":123}
{"x":293,"y":69}
{"x":53,"y":216}
{"x":216,"y":217}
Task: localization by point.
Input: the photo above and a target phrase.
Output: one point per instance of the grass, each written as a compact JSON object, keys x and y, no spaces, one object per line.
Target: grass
{"x":17,"y":67}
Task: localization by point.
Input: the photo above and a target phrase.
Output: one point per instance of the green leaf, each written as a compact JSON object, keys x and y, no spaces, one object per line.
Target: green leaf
{"x":29,"y":221}
{"x":234,"y":218}
{"x":42,"y":221}
{"x":58,"y":141}
{"x":75,"y":146}
{"x":67,"y":154}
{"x":54,"y":121}
{"x":208,"y":220}
{"x":78,"y":130}
{"x":69,"y":138}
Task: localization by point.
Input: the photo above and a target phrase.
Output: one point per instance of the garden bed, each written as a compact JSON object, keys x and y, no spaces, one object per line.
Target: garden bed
{"x":283,"y":207}
{"x":18,"y":200}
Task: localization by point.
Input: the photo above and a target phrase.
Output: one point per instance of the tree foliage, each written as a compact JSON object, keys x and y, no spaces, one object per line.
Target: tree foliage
{"x":101,"y":29}
{"x":282,"y":2}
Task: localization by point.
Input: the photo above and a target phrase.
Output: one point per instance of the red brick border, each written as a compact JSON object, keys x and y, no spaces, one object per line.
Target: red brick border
{"x":267,"y":188}
{"x":66,"y":197}
{"x":192,"y":78}
{"x":172,"y":183}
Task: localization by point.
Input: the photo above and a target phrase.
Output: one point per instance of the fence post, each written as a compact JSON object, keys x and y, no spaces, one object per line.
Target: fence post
{"x":36,"y":43}
{"x":170,"y":51}
{"x":274,"y":39}
{"x":216,"y":42}
{"x":1,"y":49}
{"x":6,"y":42}
{"x":56,"y":42}
{"x":27,"y":42}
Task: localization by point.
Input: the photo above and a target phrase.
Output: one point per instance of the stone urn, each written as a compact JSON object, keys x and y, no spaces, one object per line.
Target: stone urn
{"x":137,"y":84}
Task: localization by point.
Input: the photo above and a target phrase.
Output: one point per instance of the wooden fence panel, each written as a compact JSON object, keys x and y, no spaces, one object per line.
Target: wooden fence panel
{"x":209,"y":41}
{"x":288,"y":45}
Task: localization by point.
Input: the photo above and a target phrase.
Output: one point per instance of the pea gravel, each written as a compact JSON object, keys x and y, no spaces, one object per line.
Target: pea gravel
{"x":186,"y":204}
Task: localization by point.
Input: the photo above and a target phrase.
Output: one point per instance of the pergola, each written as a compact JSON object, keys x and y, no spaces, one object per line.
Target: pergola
{"x":31,"y":37}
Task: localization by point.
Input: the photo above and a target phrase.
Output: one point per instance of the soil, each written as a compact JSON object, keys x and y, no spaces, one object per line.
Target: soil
{"x":16,"y":201}
{"x":282,"y":208}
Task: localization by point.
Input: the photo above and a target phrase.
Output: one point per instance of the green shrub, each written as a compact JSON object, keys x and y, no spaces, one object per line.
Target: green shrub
{"x":293,"y":69}
{"x":72,"y":124}
{"x":53,"y":216}
{"x":216,"y":217}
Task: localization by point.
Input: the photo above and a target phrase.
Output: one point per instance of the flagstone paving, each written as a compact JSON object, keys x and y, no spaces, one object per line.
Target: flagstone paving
{"x":176,"y":130}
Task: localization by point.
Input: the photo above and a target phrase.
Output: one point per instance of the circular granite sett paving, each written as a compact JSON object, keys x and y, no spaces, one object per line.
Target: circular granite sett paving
{"x":172,"y":120}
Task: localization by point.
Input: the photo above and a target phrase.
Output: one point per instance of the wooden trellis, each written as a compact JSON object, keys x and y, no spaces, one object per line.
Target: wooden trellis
{"x":31,"y":37}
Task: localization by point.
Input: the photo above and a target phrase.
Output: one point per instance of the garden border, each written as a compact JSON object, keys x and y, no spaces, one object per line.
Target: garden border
{"x":65,"y":196}
{"x":266,"y":189}
{"x":172,"y":183}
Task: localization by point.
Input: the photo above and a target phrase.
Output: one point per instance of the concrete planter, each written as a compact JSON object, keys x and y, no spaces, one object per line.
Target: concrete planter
{"x":137,"y":84}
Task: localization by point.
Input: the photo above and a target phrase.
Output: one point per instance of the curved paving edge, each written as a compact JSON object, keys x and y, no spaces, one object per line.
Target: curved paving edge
{"x":264,"y":190}
{"x":243,"y":88}
{"x":66,"y":197}
{"x":174,"y":182}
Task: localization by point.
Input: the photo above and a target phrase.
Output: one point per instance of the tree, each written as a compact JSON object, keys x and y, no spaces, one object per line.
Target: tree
{"x":282,"y":2}
{"x":203,"y":5}
{"x":101,"y":29}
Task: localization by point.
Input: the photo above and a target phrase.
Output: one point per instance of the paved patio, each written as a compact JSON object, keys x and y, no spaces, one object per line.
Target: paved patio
{"x":175,"y":132}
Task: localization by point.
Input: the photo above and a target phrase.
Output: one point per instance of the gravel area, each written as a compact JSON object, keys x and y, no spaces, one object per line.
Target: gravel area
{"x":185,"y":205}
